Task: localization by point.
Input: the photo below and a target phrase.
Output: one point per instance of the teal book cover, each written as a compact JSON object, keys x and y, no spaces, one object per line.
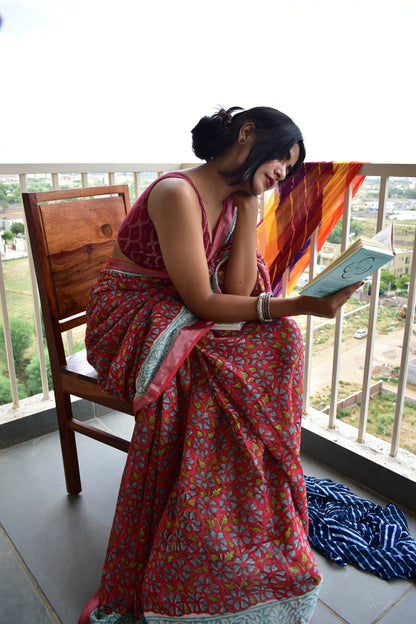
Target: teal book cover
{"x":360,"y":262}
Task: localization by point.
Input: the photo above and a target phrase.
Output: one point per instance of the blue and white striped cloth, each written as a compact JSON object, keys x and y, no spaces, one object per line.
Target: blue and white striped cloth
{"x":349,"y":529}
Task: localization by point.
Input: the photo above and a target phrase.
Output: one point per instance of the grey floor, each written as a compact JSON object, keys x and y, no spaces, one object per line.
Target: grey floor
{"x":52,"y":545}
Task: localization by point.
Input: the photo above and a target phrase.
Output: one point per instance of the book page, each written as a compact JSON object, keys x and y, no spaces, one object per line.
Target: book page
{"x":386,"y":236}
{"x":232,"y":326}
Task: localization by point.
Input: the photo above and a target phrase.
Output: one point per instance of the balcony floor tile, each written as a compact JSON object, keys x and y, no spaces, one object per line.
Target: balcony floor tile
{"x":53,"y":544}
{"x":25,"y":599}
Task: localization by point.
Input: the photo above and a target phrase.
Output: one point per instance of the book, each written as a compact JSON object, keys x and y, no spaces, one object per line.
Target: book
{"x":357,"y":262}
{"x":233,"y":326}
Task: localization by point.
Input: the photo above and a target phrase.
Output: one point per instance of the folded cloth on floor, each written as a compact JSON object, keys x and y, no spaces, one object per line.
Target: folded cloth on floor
{"x":349,"y":529}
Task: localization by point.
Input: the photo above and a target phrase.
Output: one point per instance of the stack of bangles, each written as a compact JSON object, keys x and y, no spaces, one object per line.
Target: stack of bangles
{"x":263,"y":306}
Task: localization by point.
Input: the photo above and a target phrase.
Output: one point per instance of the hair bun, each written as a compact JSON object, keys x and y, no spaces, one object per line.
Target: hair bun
{"x":213,"y":134}
{"x":225,"y":116}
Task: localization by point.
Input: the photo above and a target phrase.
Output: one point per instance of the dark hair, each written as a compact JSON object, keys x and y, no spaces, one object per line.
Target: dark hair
{"x":276,"y":134}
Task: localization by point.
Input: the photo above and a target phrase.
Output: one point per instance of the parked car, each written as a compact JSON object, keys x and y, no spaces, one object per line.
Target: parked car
{"x":360,"y":333}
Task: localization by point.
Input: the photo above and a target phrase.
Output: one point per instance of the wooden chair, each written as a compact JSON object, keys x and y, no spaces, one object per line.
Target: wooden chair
{"x":71,"y":234}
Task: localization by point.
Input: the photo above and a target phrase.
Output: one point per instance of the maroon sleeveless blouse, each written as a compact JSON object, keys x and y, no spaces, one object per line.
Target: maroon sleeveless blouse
{"x":137,"y":235}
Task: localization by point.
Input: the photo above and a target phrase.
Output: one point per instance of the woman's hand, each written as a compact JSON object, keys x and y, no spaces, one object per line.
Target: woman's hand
{"x":327,"y":307}
{"x":324,"y":307}
{"x":245,"y":201}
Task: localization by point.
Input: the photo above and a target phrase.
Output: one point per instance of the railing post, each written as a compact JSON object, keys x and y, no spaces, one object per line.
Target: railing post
{"x":336,"y":360}
{"x":262,"y":203}
{"x":55,"y":181}
{"x":375,"y":288}
{"x":404,"y":363}
{"x":36,"y":306}
{"x":8,"y":340}
{"x":137,"y":184}
{"x":309,"y":327}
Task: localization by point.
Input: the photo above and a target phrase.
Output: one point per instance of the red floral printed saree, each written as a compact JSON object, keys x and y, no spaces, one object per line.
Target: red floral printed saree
{"x":211,"y":521}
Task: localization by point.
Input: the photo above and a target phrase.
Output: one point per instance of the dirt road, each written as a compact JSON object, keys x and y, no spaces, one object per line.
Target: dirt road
{"x":387,"y":351}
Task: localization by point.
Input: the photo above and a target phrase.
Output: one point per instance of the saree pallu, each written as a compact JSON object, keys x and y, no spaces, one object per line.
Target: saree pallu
{"x":312,"y":199}
{"x":211,"y":521}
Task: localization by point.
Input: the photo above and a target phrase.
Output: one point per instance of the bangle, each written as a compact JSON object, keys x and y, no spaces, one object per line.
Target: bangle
{"x":259,"y":306}
{"x":263,"y":306}
{"x":266,"y":306}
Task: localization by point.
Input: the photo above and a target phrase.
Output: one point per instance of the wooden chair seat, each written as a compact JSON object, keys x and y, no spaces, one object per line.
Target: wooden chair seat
{"x":71,"y":234}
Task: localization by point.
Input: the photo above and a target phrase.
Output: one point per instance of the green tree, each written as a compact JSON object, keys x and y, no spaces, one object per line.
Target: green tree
{"x":335,"y":236}
{"x":403,"y":281}
{"x":5,"y":390}
{"x":3,"y":195}
{"x":388,"y":280}
{"x":34,"y":381}
{"x":21,"y":334}
{"x":10,"y":193}
{"x":39,"y":184}
{"x":356,"y":228}
{"x":7,"y":235}
{"x":17,"y":228}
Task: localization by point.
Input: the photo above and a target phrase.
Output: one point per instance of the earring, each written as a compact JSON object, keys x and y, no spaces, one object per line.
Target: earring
{"x":242,"y":140}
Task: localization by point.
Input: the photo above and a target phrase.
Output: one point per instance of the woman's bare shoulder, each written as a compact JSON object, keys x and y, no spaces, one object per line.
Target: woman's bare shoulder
{"x":171,"y":191}
{"x":175,"y":186}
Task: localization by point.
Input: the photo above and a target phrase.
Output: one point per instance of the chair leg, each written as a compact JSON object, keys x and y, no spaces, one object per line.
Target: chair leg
{"x":68,"y":443}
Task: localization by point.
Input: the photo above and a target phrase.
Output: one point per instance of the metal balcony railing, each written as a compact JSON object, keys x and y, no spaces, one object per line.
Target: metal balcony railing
{"x":112,"y":173}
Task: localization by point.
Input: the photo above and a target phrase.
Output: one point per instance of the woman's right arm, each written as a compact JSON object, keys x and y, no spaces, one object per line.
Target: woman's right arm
{"x":174,"y":209}
{"x":175,"y":212}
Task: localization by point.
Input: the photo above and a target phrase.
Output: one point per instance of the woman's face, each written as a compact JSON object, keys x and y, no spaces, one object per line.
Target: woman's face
{"x":273,"y":171}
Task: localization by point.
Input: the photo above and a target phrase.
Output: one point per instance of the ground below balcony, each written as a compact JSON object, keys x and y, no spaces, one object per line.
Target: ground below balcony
{"x":386,"y":361}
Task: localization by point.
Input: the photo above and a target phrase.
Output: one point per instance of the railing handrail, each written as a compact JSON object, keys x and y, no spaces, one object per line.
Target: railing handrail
{"x":400,"y":170}
{"x":48,"y":168}
{"x":394,"y":170}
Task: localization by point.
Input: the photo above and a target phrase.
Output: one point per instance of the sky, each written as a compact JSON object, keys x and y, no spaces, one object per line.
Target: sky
{"x":126,"y":80}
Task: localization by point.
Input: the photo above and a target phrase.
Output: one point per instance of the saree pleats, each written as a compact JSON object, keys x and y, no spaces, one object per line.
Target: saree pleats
{"x":212,"y":516}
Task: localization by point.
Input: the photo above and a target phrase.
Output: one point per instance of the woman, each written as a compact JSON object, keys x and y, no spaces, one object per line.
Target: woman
{"x":211,"y":520}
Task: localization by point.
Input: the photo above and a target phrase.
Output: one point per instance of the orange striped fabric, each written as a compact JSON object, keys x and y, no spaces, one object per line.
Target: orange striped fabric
{"x":314,"y":197}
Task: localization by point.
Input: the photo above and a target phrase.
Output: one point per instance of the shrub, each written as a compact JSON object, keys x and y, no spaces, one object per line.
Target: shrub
{"x":34,"y":381}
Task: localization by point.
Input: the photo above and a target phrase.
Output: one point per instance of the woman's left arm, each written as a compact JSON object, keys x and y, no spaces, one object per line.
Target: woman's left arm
{"x":241,"y":272}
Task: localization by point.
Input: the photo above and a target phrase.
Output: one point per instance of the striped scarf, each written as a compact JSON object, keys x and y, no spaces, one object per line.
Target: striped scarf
{"x":349,"y":529}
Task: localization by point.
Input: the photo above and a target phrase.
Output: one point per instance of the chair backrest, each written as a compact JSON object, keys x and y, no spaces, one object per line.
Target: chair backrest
{"x":72,"y":233}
